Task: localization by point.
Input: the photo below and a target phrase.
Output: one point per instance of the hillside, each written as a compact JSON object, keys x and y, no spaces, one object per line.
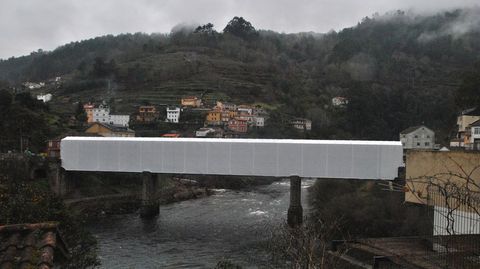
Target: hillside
{"x":397,"y":69}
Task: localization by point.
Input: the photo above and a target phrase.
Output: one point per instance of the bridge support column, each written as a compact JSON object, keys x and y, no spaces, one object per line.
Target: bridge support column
{"x":57,"y":178}
{"x":150,"y":206}
{"x":295,"y":211}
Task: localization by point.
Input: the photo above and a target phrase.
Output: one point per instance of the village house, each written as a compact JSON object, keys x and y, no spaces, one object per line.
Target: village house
{"x":173,"y":114}
{"x":102,"y":114}
{"x":33,"y":85}
{"x":339,"y":101}
{"x":473,"y":137}
{"x":44,"y":97}
{"x":147,"y":114}
{"x":204,"y":132}
{"x":88,"y":108}
{"x":214,"y":117}
{"x":417,"y":137}
{"x":301,"y":124}
{"x":226,"y":106}
{"x":119,"y":120}
{"x":466,"y":118}
{"x":108,"y":130}
{"x":191,"y":101}
{"x":249,"y":118}
{"x":245,"y":109}
{"x":259,"y":121}
{"x":238,"y":125}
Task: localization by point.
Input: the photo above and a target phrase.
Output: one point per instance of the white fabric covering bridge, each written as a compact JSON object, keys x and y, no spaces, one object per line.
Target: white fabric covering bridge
{"x":249,"y":157}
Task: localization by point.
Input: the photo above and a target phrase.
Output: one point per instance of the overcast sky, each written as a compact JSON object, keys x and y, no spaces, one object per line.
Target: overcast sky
{"x":27,"y":25}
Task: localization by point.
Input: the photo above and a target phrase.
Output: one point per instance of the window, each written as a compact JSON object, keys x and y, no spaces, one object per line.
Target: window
{"x":476,"y":131}
{"x":427,"y":144}
{"x":418,"y":143}
{"x":416,"y":136}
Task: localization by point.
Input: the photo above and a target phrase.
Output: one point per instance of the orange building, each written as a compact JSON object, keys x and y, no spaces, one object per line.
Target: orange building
{"x":214,"y":117}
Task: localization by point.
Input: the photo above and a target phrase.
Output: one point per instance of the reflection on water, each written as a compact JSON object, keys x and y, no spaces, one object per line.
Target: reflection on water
{"x":196,"y":233}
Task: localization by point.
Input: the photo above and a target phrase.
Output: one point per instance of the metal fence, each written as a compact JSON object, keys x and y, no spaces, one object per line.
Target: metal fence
{"x":455,"y":242}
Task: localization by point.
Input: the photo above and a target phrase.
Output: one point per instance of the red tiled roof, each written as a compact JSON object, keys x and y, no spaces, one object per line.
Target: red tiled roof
{"x":36,"y":245}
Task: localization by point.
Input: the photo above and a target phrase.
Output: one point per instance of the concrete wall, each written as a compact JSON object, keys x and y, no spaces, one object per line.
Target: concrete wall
{"x":420,"y":165}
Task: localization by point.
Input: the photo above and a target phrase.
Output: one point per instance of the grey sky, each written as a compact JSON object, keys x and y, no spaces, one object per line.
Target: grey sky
{"x":27,"y":25}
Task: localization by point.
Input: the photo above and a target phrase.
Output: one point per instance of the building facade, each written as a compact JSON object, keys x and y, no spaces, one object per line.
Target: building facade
{"x":301,"y":124}
{"x":173,"y":114}
{"x":147,"y":114}
{"x":191,"y":101}
{"x":238,"y":125}
{"x":417,"y":137}
{"x":44,"y":97}
{"x":214,"y":117}
{"x":108,"y":130}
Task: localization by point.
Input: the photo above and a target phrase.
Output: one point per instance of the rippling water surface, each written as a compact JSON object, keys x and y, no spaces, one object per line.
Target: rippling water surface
{"x":197,"y":233}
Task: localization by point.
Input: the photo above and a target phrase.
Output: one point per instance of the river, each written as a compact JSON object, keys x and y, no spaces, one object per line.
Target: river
{"x":197,"y":233}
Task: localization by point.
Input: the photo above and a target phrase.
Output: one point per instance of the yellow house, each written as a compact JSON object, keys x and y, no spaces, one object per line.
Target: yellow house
{"x":108,"y":130}
{"x":214,"y":117}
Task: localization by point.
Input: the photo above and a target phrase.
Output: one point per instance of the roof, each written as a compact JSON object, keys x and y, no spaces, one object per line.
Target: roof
{"x":475,"y":123}
{"x":36,"y":245}
{"x":474,"y":111}
{"x":171,"y":135}
{"x":113,"y":128}
{"x":413,"y":128}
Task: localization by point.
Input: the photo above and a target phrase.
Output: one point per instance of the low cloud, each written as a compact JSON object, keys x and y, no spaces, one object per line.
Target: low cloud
{"x":468,"y":21}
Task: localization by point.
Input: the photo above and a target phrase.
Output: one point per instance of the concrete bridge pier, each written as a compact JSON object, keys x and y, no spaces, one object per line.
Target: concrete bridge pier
{"x":57,"y":178}
{"x":295,"y":210}
{"x":150,"y":205}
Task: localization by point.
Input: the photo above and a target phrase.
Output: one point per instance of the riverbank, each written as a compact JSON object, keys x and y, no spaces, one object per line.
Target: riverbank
{"x":128,"y":198}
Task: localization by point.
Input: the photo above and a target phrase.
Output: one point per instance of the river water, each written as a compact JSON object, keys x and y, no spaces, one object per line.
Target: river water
{"x":197,"y":233}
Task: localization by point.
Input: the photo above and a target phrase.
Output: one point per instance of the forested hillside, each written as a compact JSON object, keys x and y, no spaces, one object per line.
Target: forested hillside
{"x":397,"y":69}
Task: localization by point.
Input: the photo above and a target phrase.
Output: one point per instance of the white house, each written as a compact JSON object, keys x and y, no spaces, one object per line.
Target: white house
{"x":44,"y":97}
{"x":173,"y":114}
{"x":119,"y":120}
{"x":475,"y":135}
{"x":101,"y":114}
{"x":417,"y":137}
{"x":203,"y":132}
{"x":245,"y":109}
{"x":339,"y":101}
{"x":259,"y":121}
{"x":301,"y":124}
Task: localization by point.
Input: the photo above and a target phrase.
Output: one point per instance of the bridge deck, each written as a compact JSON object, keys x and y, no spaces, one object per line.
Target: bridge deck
{"x":255,"y":157}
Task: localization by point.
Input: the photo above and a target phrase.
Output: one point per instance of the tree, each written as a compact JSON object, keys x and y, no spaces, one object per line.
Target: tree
{"x":238,"y":26}
{"x":80,"y":114}
{"x":5,"y":99}
{"x":206,"y":28}
{"x":468,"y":94}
